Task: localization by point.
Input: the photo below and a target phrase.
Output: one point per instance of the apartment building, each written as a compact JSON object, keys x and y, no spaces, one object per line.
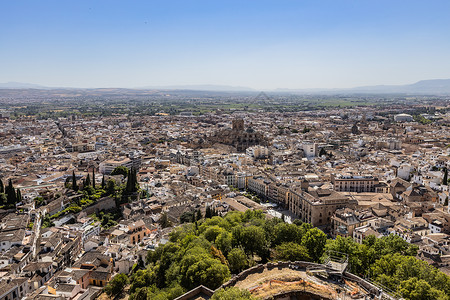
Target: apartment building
{"x":106,"y":167}
{"x":352,"y":183}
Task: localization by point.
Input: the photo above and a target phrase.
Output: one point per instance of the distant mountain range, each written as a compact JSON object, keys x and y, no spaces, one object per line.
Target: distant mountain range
{"x":432,"y":86}
{"x":202,"y":87}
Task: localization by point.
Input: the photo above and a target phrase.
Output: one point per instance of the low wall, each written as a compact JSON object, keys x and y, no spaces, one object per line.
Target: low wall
{"x":269,"y":266}
{"x":102,"y":204}
{"x":301,"y":265}
{"x":299,"y":295}
{"x":367,"y":285}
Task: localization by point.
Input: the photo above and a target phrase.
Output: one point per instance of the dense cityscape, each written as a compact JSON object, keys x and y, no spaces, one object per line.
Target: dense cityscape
{"x":224,"y":150}
{"x":218,"y":197}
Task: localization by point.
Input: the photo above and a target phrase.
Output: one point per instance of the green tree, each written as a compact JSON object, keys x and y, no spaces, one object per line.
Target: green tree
{"x":358,"y":255}
{"x":285,"y":232}
{"x":67,"y":182}
{"x":120,"y":170}
{"x":116,"y":285}
{"x":199,"y":216}
{"x":87,"y":181}
{"x":3,"y":199}
{"x":174,"y":291}
{"x":46,"y":222}
{"x":89,"y":190}
{"x":252,"y":239}
{"x":392,"y":269}
{"x":322,"y":152}
{"x":209,"y":272}
{"x":132,"y":185}
{"x":232,"y":293}
{"x":208,"y":212}
{"x":93,"y":178}
{"x":224,"y":242}
{"x":187,"y":217}
{"x":142,"y":279}
{"x":2,"y":187}
{"x":237,"y":260}
{"x":445,"y":179}
{"x":103,"y":182}
{"x":314,"y":240}
{"x":140,"y":294}
{"x":11,"y":194}
{"x":110,"y":187}
{"x":291,"y":252}
{"x":212,"y":232}
{"x":393,"y":244}
{"x":74,"y":182}
{"x":164,"y":221}
{"x":298,"y":222}
{"x":18,"y":195}
{"x":418,"y":289}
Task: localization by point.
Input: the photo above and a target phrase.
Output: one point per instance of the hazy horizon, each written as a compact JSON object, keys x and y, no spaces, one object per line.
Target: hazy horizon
{"x":261,"y":45}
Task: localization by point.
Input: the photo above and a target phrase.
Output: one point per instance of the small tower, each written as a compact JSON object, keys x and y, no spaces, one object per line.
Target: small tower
{"x":355,"y":129}
{"x":238,"y":125}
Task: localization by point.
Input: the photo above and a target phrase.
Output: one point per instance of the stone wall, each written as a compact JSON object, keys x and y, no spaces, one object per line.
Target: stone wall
{"x":301,"y":265}
{"x":102,"y":204}
{"x":269,"y":266}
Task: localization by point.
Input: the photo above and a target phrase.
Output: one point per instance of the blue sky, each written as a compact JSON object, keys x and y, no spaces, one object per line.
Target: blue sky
{"x":254,"y":43}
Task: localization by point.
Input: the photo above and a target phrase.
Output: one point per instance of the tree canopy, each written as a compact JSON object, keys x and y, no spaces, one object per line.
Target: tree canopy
{"x":120,"y":170}
{"x":210,"y":250}
{"x":391,"y":261}
{"x":232,"y":293}
{"x":116,"y":286}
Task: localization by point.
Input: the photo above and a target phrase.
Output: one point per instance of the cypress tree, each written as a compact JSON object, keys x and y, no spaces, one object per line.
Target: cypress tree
{"x":131,"y":186}
{"x":11,"y":193}
{"x":93,"y":178}
{"x":445,"y":179}
{"x":74,"y":182}
{"x":208,"y":213}
{"x":19,"y":195}
{"x":199,"y":215}
{"x":87,"y":182}
{"x":103,"y":182}
{"x":2,"y":187}
{"x":133,"y":181}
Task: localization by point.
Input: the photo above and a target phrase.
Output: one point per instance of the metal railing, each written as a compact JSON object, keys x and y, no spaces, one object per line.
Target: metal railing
{"x":385,"y":292}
